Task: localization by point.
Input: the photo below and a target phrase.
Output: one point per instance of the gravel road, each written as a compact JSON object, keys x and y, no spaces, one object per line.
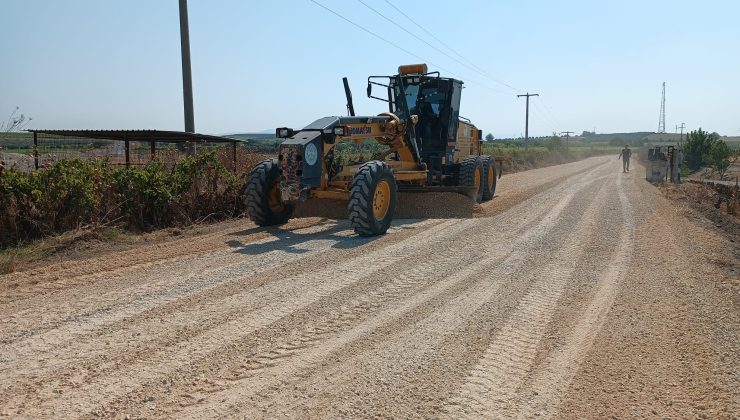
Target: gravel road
{"x":578,"y":292}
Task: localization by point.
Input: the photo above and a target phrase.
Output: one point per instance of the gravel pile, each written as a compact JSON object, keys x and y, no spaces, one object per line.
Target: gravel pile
{"x":434,"y":205}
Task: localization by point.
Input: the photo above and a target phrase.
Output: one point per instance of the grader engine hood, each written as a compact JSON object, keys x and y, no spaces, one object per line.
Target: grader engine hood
{"x":301,"y":155}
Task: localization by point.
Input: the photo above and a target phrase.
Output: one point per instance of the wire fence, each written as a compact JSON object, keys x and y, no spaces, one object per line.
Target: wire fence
{"x":17,"y":151}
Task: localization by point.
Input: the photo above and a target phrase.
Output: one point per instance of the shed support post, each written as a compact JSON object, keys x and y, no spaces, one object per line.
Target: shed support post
{"x":127,"y":151}
{"x":35,"y":150}
{"x":153,"y":149}
{"x":233,"y":154}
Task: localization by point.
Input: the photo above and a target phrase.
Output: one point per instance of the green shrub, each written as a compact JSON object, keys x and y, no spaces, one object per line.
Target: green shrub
{"x":555,"y":143}
{"x":718,"y":157}
{"x":73,"y":193}
{"x":698,"y":144}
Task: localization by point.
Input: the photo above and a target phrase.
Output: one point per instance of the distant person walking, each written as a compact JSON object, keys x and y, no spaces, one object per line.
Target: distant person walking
{"x":625,"y":156}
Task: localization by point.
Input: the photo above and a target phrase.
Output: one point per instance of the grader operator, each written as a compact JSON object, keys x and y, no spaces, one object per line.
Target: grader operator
{"x":421,"y":144}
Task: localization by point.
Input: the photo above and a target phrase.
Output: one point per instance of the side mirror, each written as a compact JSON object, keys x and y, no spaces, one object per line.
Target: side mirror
{"x":369,"y":89}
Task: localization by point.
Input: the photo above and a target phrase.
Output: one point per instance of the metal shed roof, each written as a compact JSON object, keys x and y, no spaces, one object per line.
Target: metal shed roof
{"x":139,"y":135}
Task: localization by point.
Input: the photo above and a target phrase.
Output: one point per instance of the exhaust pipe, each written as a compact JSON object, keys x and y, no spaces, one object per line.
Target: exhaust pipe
{"x":348,"y":94}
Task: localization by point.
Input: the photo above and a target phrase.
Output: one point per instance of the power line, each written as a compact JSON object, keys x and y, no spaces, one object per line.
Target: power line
{"x":483,"y":86}
{"x":554,"y":127}
{"x":477,"y":69}
{"x":545,"y":116}
{"x":404,"y":49}
{"x":469,"y":80}
{"x":375,"y":35}
{"x":421,"y":39}
{"x":549,"y":111}
{"x":407,"y":31}
{"x":430,"y":34}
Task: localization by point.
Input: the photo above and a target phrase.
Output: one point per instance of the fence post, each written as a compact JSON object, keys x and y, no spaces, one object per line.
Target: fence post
{"x":35,"y":150}
{"x":127,"y":150}
{"x":153,"y":150}
{"x":233,"y":151}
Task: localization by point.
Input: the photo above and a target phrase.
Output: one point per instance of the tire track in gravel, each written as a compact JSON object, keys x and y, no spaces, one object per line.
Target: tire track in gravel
{"x":262,"y":306}
{"x":277,"y":366}
{"x":184,"y":347}
{"x":419,"y":337}
{"x":59,"y":359}
{"x":66,"y":274}
{"x":77,"y":305}
{"x":493,"y":384}
{"x":553,"y":379}
{"x":366,"y":303}
{"x":208,"y":341}
{"x":183,"y":280}
{"x":33,"y":362}
{"x":81,"y":272}
{"x":534,"y":183}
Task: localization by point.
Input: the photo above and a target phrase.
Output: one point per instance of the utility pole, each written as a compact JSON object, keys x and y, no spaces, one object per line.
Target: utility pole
{"x":187,"y":79}
{"x":567,"y":137}
{"x":683,"y":125}
{"x":526,"y":120}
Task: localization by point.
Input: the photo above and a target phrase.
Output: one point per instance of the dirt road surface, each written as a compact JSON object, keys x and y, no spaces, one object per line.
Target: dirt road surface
{"x":578,"y":292}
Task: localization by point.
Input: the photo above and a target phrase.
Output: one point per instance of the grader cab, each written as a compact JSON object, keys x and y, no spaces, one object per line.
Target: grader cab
{"x":420,"y":144}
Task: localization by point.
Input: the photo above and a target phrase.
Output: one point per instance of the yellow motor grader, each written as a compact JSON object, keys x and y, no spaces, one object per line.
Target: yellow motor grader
{"x":421,"y":144}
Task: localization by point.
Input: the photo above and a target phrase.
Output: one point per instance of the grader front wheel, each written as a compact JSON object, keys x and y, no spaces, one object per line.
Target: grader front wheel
{"x":262,"y":195}
{"x":372,"y":199}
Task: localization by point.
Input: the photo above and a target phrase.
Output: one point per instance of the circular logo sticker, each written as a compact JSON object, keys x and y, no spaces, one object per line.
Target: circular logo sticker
{"x":312,"y":155}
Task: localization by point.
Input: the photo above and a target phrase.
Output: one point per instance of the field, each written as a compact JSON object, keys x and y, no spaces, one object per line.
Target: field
{"x":517,"y":158}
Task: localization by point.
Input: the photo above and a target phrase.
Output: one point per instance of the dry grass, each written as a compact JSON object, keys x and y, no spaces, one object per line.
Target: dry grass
{"x":694,"y":200}
{"x":18,"y":257}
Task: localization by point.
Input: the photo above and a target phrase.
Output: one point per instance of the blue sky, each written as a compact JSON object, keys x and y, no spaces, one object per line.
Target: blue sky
{"x":262,"y":64}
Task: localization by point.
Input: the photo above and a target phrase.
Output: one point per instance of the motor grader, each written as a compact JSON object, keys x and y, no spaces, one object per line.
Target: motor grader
{"x":420,"y":144}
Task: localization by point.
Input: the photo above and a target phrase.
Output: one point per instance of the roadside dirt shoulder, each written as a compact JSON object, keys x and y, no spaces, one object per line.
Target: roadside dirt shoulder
{"x":670,"y":345}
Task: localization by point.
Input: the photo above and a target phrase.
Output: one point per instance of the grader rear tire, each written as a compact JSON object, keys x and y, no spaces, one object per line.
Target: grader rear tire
{"x":471,"y":175}
{"x":372,"y":199}
{"x":489,"y":176}
{"x":262,"y":195}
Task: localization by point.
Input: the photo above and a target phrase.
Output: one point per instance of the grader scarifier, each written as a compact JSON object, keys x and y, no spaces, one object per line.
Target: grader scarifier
{"x":421,"y":144}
